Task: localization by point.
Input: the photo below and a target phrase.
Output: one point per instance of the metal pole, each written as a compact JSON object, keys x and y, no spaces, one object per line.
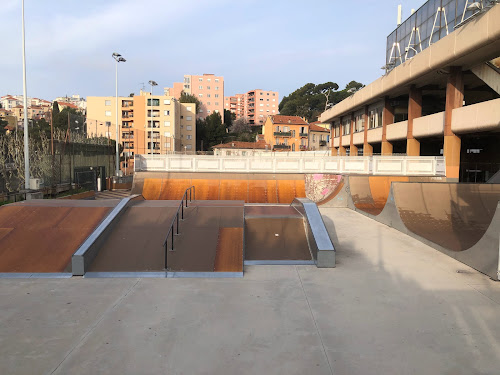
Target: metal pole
{"x":117,"y":140}
{"x":25,"y":99}
{"x":151,"y":115}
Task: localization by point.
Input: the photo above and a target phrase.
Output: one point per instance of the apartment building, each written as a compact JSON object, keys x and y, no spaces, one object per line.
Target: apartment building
{"x":255,"y":105}
{"x":34,"y":112}
{"x":208,"y":88}
{"x":157,"y":124}
{"x":318,"y":138}
{"x":286,"y":133}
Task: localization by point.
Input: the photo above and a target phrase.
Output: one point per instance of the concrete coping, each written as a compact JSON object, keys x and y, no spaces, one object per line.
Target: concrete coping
{"x":318,"y":238}
{"x":88,"y":250}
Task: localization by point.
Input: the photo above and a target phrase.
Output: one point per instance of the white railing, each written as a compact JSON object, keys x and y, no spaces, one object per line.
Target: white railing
{"x":367,"y":165}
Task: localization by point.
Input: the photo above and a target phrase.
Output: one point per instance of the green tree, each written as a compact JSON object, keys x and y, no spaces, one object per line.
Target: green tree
{"x":229,"y":118}
{"x":188,"y":98}
{"x":214,"y":130}
{"x":311,"y":100}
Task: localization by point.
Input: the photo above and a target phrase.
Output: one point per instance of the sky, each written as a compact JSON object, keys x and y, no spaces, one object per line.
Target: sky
{"x":254,"y":44}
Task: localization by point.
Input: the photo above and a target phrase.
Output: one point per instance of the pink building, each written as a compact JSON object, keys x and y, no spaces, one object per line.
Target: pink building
{"x":208,"y":88}
{"x":255,"y":105}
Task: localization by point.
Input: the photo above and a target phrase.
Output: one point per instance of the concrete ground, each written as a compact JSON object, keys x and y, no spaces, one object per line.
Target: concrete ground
{"x":392,"y":306}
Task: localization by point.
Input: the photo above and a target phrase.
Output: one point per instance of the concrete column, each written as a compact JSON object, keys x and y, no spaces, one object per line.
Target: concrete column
{"x":342,"y":151}
{"x":353,"y":149}
{"x":452,"y":143}
{"x":414,"y":111}
{"x":367,"y":148}
{"x":387,"y":118}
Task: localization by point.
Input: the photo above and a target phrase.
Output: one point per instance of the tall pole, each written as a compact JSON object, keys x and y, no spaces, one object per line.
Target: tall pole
{"x":152,"y":122}
{"x":117,"y":140}
{"x":25,"y":99}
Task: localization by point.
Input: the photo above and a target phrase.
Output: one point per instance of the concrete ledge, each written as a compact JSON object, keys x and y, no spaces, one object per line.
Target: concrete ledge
{"x":208,"y":275}
{"x":87,"y":252}
{"x":321,"y":246}
{"x":35,"y":275}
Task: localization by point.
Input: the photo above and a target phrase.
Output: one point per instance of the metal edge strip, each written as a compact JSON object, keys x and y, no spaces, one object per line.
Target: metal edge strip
{"x":279,"y":262}
{"x":35,"y":275}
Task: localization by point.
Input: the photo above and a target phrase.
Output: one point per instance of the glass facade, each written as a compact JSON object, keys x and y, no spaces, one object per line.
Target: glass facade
{"x":431,"y":22}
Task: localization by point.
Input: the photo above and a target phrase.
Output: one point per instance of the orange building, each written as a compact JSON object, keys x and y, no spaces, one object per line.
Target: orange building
{"x":286,"y":133}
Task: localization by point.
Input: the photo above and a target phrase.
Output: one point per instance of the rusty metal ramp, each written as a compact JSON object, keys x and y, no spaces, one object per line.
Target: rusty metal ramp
{"x":275,"y":234}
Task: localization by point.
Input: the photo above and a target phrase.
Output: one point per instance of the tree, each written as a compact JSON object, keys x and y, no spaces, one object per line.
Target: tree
{"x":353,"y":86}
{"x":211,"y":130}
{"x":311,"y":100}
{"x":188,"y":98}
{"x":229,"y":117}
{"x":240,"y":126}
{"x":55,"y":109}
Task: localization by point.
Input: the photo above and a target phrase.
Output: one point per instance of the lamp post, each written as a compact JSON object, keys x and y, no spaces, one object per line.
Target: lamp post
{"x":152,"y":83}
{"x":25,"y":100}
{"x":118,"y":59}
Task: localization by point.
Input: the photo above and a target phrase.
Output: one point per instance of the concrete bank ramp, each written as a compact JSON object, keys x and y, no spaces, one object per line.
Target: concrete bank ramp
{"x":461,"y":220}
{"x":40,"y":236}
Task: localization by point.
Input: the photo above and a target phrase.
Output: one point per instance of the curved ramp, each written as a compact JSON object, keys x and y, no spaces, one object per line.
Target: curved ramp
{"x":460,"y":220}
{"x":370,"y":193}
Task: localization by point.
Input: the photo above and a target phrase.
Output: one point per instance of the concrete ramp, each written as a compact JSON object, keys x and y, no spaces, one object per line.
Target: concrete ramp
{"x":40,"y":236}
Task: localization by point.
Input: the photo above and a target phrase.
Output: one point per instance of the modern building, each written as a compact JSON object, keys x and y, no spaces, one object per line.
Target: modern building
{"x":286,"y":133}
{"x":238,"y":148}
{"x":208,"y":88}
{"x":441,"y":98}
{"x":319,"y":137}
{"x":255,"y":105}
{"x":160,"y":124}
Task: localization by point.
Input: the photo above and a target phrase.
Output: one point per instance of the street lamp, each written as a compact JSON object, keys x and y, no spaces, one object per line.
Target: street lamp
{"x":152,"y":83}
{"x":25,"y":100}
{"x":118,"y":59}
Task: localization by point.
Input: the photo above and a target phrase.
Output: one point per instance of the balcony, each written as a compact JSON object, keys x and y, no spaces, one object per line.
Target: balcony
{"x":322,"y":143}
{"x":302,"y":134}
{"x":127,"y":104}
{"x":282,"y":147}
{"x":282,"y":134}
{"x":302,"y":148}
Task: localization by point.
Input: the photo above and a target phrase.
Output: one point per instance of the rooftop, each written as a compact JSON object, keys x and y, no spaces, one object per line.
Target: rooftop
{"x":291,"y":120}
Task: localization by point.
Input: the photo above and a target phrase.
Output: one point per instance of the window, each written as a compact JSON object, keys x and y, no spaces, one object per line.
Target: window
{"x":188,"y":109}
{"x":166,"y":101}
{"x":189,"y":118}
{"x":216,"y":103}
{"x":217,"y":87}
{"x":201,"y":110}
{"x":108,"y":113}
{"x":167,"y":134}
{"x":268,"y":95}
{"x":200,"y":95}
{"x":189,"y":137}
{"x":200,"y":87}
{"x":273,"y":95}
{"x":314,"y":137}
{"x":274,"y":99}
{"x":228,"y":153}
{"x":156,"y":102}
{"x":261,"y":94}
{"x":216,"y":111}
{"x":243,"y":153}
{"x":167,"y":145}
{"x":166,"y":113}
{"x":108,"y":123}
{"x":189,"y":127}
{"x":267,"y":99}
{"x":261,"y":110}
{"x":208,"y":103}
{"x":208,"y":79}
{"x":200,"y":79}
{"x":107,"y":102}
{"x":166,"y":123}
{"x":208,"y":95}
{"x":261,"y":99}
{"x":217,"y":80}
{"x":208,"y":87}
{"x":262,"y":105}
{"x":216,"y":95}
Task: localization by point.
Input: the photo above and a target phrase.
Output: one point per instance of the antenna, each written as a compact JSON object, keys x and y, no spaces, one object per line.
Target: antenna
{"x":400,"y":11}
{"x":143,"y":86}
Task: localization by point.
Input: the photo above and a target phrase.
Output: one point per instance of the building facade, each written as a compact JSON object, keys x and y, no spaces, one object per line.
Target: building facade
{"x":158,"y":124}
{"x":444,"y":100}
{"x":319,"y":138}
{"x":255,"y":105}
{"x":208,"y":88}
{"x":286,"y":133}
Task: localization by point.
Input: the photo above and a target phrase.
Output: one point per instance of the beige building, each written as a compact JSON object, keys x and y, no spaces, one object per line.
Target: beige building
{"x":255,"y":105}
{"x":169,"y":124}
{"x":318,"y":137}
{"x":208,"y":88}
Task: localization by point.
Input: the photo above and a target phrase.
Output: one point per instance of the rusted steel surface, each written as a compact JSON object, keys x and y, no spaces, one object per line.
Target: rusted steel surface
{"x":174,"y":188}
{"x":43,"y":239}
{"x":234,"y":190}
{"x":455,"y":216}
{"x":136,"y":242}
{"x":286,"y":191}
{"x":229,"y":253}
{"x":276,"y":239}
{"x":271,"y":211}
{"x":369,"y":193}
{"x":152,"y":188}
{"x":206,"y":189}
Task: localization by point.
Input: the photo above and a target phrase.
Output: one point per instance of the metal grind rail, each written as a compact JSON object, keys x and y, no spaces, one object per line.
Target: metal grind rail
{"x":175,"y":221}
